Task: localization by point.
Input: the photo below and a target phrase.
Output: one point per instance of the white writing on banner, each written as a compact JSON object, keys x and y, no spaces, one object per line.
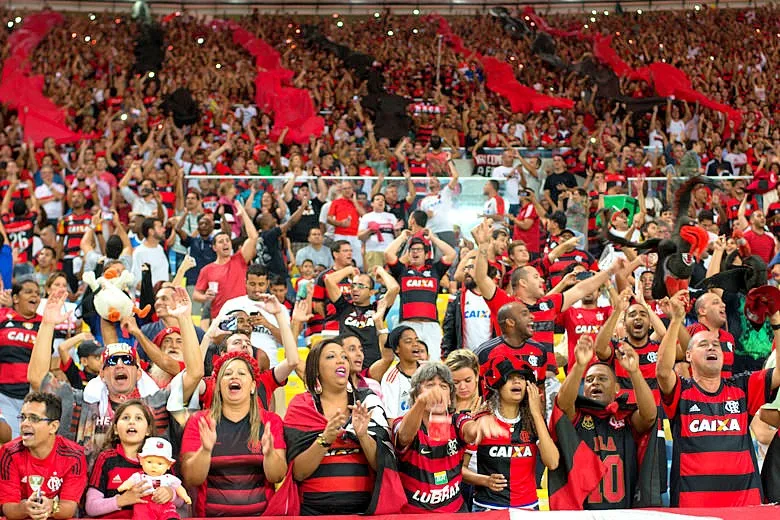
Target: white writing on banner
{"x":485,"y":162}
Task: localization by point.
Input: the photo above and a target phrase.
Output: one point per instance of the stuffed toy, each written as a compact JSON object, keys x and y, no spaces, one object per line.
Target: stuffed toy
{"x":110,"y":300}
{"x":156,"y":459}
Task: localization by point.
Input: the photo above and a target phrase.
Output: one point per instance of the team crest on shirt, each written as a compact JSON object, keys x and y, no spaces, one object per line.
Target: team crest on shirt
{"x":652,"y":357}
{"x":27,"y":325}
{"x":544,"y":306}
{"x":525,"y":436}
{"x":587,"y":423}
{"x":426,"y":273}
{"x":54,"y":483}
{"x":732,"y":406}
{"x":600,"y":316}
{"x":452,"y":447}
{"x":617,"y":423}
{"x":533,"y":361}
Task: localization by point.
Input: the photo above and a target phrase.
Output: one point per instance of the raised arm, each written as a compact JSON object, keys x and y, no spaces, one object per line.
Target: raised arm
{"x":193,"y":362}
{"x":391,"y":253}
{"x":664,"y":369}
{"x":249,"y":247}
{"x":567,"y":395}
{"x":40,"y":359}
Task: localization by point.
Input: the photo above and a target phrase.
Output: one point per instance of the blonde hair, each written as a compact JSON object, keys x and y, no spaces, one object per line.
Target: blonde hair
{"x":462,"y":358}
{"x":253,"y":443}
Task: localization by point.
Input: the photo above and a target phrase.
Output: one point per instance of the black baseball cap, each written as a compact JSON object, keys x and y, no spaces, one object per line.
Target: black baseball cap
{"x":89,"y":348}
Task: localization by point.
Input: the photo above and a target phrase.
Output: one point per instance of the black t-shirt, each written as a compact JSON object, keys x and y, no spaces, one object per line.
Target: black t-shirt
{"x":310,"y":219}
{"x":269,"y":251}
{"x":554,"y":179}
{"x":359,"y":321}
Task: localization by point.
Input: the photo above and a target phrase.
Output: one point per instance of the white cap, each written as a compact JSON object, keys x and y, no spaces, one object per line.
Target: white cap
{"x":157,"y":447}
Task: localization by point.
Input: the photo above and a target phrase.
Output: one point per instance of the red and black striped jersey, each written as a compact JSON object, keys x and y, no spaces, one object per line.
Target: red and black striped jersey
{"x":17,"y":337}
{"x":71,"y":228}
{"x":111,"y":469}
{"x":613,"y":440}
{"x":713,"y":461}
{"x":513,"y":455}
{"x":265,"y":386}
{"x":329,"y":321}
{"x":20,"y":232}
{"x":63,"y":471}
{"x":726,"y":345}
{"x":168,"y":198}
{"x":545,"y":311}
{"x":557,"y":269}
{"x":430,"y":471}
{"x":236,"y":484}
{"x":419,"y":289}
{"x":648,"y":357}
{"x":531,"y":352}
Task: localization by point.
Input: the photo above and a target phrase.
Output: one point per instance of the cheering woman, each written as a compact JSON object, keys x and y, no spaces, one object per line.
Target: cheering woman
{"x":236,"y":476}
{"x":507,"y":463}
{"x":338,"y":448}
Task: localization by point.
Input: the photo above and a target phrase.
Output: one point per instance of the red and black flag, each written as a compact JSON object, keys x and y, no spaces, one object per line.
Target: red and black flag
{"x":637,"y":484}
{"x":344,"y":482}
{"x":579,"y":470}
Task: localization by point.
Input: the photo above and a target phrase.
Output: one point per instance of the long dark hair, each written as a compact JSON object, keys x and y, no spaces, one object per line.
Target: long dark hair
{"x":112,"y":440}
{"x":526,"y":419}
{"x":313,"y":363}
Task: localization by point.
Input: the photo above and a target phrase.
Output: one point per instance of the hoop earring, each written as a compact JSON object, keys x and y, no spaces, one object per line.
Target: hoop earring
{"x":317,"y":386}
{"x":349,"y":387}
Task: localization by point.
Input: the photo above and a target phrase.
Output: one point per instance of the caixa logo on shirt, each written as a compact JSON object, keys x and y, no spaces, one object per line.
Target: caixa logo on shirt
{"x":714,"y":425}
{"x":437,"y":496}
{"x":510,"y":451}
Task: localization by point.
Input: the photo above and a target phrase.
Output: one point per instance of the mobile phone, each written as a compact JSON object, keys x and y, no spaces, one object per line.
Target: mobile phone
{"x":107,"y":215}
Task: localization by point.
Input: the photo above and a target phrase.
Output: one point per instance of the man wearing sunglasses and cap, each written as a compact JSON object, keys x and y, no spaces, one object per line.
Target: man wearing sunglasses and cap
{"x":87,"y":413}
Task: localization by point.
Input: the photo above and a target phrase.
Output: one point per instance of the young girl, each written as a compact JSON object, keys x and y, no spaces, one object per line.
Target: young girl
{"x":132,"y":424}
{"x":507,"y":464}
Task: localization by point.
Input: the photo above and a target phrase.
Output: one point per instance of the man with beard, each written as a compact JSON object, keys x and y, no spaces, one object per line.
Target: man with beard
{"x":587,"y":319}
{"x":761,"y":243}
{"x":467,"y":322}
{"x":564,"y":255}
{"x":713,"y":462}
{"x":636,"y":323}
{"x":617,"y":432}
{"x":87,"y":413}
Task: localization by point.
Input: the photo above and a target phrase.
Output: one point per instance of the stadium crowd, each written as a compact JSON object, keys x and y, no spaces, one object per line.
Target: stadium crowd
{"x":175,"y":341}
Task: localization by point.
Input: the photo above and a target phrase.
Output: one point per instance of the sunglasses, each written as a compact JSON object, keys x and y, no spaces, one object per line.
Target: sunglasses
{"x":124,"y":359}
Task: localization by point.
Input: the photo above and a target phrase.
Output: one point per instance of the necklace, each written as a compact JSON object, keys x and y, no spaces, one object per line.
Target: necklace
{"x":511,"y":422}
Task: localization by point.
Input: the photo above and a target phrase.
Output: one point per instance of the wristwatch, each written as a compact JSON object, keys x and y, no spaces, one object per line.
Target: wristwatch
{"x":322,"y":442}
{"x":55,"y":506}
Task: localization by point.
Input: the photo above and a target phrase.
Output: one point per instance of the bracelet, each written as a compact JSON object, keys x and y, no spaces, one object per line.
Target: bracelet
{"x":776,"y":327}
{"x":383,"y":331}
{"x":55,"y":505}
{"x":322,"y":442}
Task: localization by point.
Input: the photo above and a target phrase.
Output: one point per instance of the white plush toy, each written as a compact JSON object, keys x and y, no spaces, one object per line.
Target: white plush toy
{"x":111,"y":302}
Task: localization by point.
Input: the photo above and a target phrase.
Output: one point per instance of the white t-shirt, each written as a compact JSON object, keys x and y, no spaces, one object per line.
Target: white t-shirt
{"x":512,"y":184}
{"x":441,"y":207}
{"x":654,"y":140}
{"x":396,"y":388}
{"x":53,"y":207}
{"x":157,"y":260}
{"x":386,"y":223}
{"x":476,"y":321}
{"x":676,"y":130}
{"x":261,"y":336}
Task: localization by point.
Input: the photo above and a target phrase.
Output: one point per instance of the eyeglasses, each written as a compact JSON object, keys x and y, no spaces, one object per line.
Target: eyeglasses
{"x":360,"y":286}
{"x":416,"y":249}
{"x":34,"y":419}
{"x":124,"y":359}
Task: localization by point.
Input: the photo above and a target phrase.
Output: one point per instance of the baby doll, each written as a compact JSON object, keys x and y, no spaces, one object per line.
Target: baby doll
{"x":156,"y":458}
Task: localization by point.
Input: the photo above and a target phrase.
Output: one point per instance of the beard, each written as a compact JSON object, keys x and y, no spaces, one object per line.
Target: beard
{"x":470,"y":284}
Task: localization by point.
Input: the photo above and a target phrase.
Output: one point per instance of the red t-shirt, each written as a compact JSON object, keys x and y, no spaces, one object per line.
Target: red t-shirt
{"x":578,"y":321}
{"x":342,"y":208}
{"x":64,"y":471}
{"x":762,"y":245}
{"x":531,"y":235}
{"x":230,"y":276}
